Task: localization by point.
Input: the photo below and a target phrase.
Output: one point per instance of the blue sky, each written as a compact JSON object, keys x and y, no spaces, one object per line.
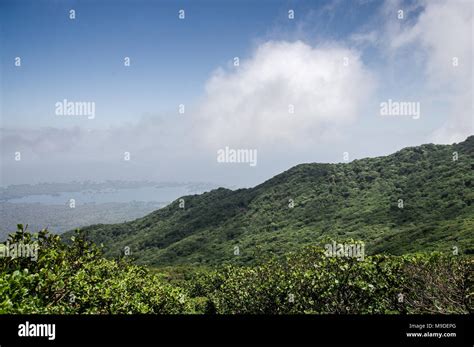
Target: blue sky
{"x":189,"y":62}
{"x":170,"y":58}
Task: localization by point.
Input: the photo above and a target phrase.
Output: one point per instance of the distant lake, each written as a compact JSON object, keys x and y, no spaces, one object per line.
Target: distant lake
{"x":144,"y":194}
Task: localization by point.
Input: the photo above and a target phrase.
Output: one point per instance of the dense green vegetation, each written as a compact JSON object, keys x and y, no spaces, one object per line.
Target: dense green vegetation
{"x":252,"y":251}
{"x":358,"y":200}
{"x":75,"y":278}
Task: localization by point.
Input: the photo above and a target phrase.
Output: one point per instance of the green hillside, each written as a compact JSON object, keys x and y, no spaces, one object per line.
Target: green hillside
{"x":357,"y":200}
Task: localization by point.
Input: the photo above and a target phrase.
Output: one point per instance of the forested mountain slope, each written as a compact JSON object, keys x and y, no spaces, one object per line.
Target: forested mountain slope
{"x":417,"y":199}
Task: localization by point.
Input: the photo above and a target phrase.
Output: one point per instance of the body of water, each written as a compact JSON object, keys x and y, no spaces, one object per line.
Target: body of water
{"x":144,"y":194}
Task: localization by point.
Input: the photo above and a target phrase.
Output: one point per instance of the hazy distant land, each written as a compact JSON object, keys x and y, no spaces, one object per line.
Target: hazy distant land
{"x":50,"y":205}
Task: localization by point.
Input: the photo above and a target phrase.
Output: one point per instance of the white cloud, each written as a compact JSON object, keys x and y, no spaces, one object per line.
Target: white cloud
{"x":248,"y":105}
{"x":362,"y":38}
{"x":443,"y":31}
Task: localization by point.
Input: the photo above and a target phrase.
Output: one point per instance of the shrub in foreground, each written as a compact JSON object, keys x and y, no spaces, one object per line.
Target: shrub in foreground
{"x":75,"y":278}
{"x":311,"y":282}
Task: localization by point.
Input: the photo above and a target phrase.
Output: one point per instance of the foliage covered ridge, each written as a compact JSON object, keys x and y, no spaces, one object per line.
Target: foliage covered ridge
{"x":417,"y":199}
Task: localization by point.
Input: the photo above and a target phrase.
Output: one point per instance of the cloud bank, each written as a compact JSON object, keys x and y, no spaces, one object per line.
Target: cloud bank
{"x":443,"y":36}
{"x":287,"y":93}
{"x":288,"y":100}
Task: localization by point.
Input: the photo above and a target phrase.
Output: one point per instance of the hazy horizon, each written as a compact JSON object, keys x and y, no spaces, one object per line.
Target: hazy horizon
{"x":313,"y":82}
